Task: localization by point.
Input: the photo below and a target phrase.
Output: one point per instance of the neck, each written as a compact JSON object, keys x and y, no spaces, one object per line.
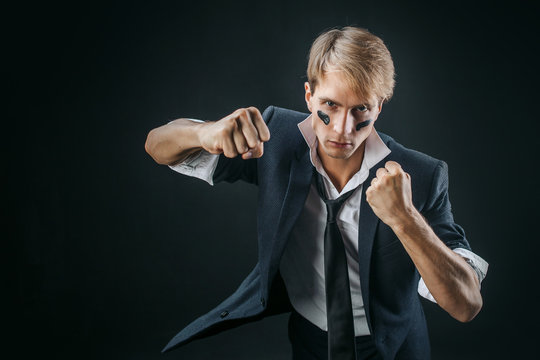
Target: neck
{"x":340,"y":171}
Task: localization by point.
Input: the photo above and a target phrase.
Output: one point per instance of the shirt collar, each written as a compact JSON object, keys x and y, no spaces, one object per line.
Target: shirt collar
{"x":374,"y":152}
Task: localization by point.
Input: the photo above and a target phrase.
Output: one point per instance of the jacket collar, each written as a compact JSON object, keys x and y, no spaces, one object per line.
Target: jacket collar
{"x":375,"y":151}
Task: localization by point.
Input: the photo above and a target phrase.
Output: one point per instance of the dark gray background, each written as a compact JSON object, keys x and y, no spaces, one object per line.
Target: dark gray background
{"x":108,"y":254}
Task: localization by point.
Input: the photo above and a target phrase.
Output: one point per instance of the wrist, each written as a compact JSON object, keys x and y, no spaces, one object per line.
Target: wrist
{"x":411,"y":218}
{"x":185,"y":139}
{"x":200,"y":133}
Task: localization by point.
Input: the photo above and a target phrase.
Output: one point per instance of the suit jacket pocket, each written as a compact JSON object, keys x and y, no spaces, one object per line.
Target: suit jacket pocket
{"x":392,"y":248}
{"x":386,"y":242}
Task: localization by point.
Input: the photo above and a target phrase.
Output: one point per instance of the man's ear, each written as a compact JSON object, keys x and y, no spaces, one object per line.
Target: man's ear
{"x":308,"y":95}
{"x":380,"y":109}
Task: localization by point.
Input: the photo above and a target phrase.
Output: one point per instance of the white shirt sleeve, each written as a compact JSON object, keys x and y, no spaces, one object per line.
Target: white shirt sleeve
{"x":201,"y":164}
{"x":479,"y":265}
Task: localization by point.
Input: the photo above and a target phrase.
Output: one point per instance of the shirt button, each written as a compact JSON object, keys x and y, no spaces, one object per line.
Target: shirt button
{"x":224,"y":313}
{"x":263,"y":302}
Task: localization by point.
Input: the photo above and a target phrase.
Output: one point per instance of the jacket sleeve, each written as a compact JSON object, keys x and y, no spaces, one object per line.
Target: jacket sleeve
{"x":235,"y":169}
{"x":438,"y":211}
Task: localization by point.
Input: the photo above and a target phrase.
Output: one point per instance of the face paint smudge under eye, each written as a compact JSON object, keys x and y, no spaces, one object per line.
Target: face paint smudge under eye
{"x":363,"y":124}
{"x":325,"y":118}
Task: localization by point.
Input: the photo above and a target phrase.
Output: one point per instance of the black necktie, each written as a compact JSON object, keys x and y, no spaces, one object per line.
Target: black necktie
{"x":341,"y":343}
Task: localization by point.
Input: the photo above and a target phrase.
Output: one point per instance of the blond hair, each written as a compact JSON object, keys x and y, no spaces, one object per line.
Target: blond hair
{"x":360,"y":55}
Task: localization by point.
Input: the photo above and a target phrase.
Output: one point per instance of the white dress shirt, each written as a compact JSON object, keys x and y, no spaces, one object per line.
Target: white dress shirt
{"x":302,"y":264}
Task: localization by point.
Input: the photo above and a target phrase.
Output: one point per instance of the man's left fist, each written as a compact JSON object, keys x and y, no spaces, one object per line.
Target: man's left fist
{"x":390,"y":195}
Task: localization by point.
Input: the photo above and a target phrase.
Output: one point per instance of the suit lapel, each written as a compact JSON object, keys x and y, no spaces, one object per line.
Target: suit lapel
{"x":300,"y":176}
{"x":297,"y":190}
{"x":366,"y":235}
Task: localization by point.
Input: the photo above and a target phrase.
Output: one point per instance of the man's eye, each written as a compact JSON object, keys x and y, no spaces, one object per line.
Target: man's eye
{"x":362,"y":108}
{"x":330,"y":103}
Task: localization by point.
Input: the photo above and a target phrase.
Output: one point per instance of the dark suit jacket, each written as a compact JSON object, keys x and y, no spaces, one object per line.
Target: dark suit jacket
{"x":388,"y":276}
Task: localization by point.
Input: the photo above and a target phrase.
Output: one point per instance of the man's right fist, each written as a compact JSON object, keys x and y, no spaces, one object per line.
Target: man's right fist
{"x":242,"y":132}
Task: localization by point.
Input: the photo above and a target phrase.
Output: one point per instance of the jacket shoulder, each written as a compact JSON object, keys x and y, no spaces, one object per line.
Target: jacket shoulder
{"x":412,"y":158}
{"x":283,"y":126}
{"x":278,"y":114}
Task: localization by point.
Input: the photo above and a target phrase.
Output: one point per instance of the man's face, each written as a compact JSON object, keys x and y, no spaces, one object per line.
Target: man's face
{"x":346,"y":109}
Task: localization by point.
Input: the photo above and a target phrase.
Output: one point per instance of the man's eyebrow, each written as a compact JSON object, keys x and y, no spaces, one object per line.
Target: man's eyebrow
{"x":325,"y":99}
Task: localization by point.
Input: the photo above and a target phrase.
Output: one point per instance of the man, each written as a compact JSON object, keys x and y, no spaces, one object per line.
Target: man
{"x":355,"y":297}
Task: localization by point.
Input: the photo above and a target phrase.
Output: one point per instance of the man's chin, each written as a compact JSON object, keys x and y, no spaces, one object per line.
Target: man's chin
{"x":342,"y":155}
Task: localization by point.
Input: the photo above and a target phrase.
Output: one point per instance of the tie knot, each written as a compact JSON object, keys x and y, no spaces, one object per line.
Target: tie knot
{"x":332,"y":206}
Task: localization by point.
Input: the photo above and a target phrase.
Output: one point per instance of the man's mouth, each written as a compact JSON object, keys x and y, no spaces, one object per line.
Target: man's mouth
{"x":339,"y":144}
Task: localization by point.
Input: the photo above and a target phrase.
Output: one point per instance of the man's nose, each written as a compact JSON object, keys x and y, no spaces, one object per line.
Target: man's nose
{"x":343,"y":123}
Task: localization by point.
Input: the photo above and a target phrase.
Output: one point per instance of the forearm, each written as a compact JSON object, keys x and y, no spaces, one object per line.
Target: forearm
{"x":173,"y":142}
{"x":451,"y":281}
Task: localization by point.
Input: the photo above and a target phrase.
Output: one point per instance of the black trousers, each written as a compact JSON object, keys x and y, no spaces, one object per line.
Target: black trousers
{"x":311,"y":343}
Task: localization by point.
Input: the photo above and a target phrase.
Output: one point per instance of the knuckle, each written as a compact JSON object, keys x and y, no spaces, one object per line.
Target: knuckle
{"x":231,"y":154}
{"x":230,"y":123}
{"x":259,"y":150}
{"x":255,"y":111}
{"x":238,"y":114}
{"x":244,"y":112}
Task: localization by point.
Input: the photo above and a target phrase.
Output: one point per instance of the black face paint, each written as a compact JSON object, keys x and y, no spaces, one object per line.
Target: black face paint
{"x":325,"y":118}
{"x":363,"y":124}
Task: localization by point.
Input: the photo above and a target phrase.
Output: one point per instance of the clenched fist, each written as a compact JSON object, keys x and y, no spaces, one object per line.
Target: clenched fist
{"x":242,"y":132}
{"x":390,"y":195}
